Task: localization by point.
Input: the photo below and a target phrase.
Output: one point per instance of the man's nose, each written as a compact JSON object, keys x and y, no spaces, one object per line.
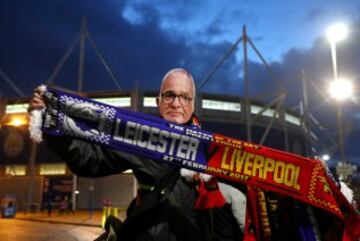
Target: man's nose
{"x":176,"y":102}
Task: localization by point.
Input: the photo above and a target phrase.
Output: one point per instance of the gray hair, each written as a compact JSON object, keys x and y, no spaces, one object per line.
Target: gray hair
{"x":180,"y":70}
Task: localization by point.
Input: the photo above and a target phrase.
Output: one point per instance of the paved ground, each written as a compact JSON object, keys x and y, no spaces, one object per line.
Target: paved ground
{"x":78,"y":218}
{"x":21,"y":230}
{"x":78,"y":226}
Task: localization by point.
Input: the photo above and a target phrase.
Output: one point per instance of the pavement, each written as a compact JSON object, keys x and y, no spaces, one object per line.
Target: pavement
{"x":77,"y":218}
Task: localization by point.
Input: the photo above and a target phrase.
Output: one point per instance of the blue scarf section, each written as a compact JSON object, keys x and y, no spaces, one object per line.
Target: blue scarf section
{"x":139,"y":134}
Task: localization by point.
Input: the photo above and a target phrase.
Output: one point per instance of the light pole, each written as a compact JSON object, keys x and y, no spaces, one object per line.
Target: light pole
{"x":340,"y":89}
{"x":336,"y":33}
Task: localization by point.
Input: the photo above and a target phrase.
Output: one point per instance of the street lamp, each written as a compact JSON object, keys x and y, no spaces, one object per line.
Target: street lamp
{"x":325,"y":157}
{"x":337,"y":32}
{"x":339,"y":89}
{"x":16,"y":120}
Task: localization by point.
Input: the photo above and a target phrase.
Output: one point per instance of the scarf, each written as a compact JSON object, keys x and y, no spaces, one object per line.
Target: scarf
{"x":259,"y":167}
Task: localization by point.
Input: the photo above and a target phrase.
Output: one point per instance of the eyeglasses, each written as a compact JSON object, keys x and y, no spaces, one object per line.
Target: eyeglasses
{"x":168,"y":97}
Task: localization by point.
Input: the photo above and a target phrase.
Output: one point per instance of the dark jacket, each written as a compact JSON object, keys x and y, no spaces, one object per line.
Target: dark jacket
{"x":172,"y":218}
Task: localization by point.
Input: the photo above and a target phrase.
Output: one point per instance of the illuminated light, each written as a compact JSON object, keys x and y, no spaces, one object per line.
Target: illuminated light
{"x":341,"y":89}
{"x":115,"y":101}
{"x":53,"y":169}
{"x":221,"y":105}
{"x":16,"y":108}
{"x":292,"y":119}
{"x":268,"y":112}
{"x":149,"y":102}
{"x":15,"y":170}
{"x":325,"y":157}
{"x":17,"y":121}
{"x":77,"y":192}
{"x":337,"y":32}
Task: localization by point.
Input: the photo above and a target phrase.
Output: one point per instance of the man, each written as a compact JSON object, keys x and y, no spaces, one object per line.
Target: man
{"x":153,"y":215}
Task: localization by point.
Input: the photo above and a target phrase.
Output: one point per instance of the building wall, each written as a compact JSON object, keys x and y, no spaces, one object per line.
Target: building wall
{"x":118,"y":188}
{"x":19,"y":187}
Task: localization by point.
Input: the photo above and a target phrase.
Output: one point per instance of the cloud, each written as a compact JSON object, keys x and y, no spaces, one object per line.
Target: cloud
{"x":37,"y":34}
{"x":131,"y":15}
{"x":39,"y":37}
{"x":314,"y":14}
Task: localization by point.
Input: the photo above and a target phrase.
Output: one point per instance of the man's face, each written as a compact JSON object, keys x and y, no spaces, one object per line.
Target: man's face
{"x":176,"y":101}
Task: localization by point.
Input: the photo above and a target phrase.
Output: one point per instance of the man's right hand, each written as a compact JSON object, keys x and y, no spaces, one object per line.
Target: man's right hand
{"x":37,"y":101}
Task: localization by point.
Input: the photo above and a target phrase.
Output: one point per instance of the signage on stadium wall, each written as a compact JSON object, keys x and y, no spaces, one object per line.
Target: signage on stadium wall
{"x":14,"y":145}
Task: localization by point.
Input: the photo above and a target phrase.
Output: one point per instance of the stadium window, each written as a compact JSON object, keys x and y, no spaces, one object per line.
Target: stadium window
{"x":16,"y":108}
{"x":221,"y":105}
{"x":15,"y":170}
{"x":115,"y":101}
{"x":53,"y":169}
{"x":292,"y":119}
{"x":149,"y":102}
{"x":255,"y":109}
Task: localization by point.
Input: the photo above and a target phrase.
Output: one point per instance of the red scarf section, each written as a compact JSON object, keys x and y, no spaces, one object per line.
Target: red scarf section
{"x":209,"y":195}
{"x":303,"y":179}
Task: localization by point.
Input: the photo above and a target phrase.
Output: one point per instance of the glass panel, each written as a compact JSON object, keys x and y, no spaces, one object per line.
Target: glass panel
{"x":149,"y":102}
{"x":53,"y":169}
{"x":221,"y":105}
{"x":115,"y":101}
{"x":257,"y":109}
{"x":16,"y":108}
{"x":15,"y":170}
{"x":292,"y":119}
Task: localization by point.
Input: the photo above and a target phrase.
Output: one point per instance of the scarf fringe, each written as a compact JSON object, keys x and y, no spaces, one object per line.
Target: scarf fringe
{"x":36,"y":121}
{"x":189,"y":175}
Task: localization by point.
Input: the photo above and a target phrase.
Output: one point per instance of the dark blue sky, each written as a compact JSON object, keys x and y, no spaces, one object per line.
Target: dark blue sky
{"x":141,"y":40}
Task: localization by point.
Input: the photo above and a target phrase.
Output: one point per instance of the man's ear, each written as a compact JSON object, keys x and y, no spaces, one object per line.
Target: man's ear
{"x":157,"y":101}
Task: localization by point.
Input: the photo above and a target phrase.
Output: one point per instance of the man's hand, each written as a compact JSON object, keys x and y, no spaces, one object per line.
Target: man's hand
{"x":37,"y":101}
